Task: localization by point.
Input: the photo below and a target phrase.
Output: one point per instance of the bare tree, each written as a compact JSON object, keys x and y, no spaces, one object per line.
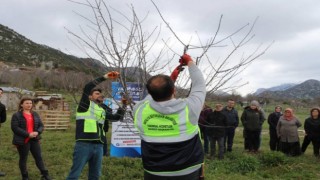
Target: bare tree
{"x":121,"y":40}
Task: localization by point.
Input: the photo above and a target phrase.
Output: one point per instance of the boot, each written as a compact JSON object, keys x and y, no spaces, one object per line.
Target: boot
{"x":25,"y":176}
{"x":45,"y":175}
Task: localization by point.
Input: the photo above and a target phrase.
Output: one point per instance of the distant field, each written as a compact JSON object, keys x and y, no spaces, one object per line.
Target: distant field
{"x":57,"y":149}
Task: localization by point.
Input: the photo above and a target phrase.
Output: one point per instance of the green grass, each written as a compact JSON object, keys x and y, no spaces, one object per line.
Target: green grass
{"x":57,"y":149}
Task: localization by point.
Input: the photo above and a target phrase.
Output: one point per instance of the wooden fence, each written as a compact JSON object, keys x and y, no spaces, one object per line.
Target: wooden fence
{"x":55,"y":120}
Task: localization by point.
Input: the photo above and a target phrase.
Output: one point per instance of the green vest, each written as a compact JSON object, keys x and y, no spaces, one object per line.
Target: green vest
{"x":91,"y":123}
{"x":162,"y":128}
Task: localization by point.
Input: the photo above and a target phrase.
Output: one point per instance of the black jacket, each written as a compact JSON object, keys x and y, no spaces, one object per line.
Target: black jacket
{"x":19,"y":127}
{"x":3,"y":113}
{"x":273,"y":119}
{"x":218,"y":121}
{"x":312,"y":128}
{"x":232,"y":116}
{"x":110,"y":117}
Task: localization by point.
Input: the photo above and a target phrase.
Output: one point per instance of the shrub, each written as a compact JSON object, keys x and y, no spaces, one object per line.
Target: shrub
{"x":272,"y":159}
{"x":244,"y":164}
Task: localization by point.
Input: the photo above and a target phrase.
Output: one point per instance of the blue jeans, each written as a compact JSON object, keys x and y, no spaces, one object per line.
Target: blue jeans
{"x":228,"y":138}
{"x":220,"y":142}
{"x":86,"y":152}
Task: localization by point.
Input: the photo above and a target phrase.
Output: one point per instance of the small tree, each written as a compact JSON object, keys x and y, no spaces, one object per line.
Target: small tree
{"x":121,"y":40}
{"x":37,"y":83}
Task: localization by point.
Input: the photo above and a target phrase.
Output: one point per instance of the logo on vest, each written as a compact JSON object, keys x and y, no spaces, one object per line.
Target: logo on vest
{"x":159,"y":118}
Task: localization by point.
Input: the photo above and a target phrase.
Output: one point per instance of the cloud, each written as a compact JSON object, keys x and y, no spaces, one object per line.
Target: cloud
{"x":293,"y":25}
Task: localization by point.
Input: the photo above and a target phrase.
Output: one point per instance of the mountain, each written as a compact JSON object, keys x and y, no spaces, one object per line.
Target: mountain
{"x":19,"y":50}
{"x":281,"y":87}
{"x":309,"y":89}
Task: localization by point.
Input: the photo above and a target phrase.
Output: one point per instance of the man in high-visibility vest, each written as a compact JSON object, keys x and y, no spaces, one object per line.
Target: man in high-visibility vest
{"x":170,"y":143}
{"x":90,"y":130}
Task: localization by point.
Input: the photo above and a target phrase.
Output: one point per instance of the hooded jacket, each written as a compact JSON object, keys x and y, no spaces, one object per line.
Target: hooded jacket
{"x":177,"y":156}
{"x":252,"y":119}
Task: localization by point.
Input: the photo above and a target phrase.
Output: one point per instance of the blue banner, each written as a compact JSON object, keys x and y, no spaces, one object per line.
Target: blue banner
{"x":125,"y":140}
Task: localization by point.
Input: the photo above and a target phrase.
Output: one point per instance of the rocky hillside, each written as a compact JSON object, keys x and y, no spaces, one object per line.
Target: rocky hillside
{"x":19,"y":50}
{"x":281,"y":87}
{"x":309,"y":89}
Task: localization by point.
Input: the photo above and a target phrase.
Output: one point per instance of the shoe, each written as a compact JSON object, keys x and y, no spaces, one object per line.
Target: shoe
{"x":46,"y":177}
{"x":2,"y":174}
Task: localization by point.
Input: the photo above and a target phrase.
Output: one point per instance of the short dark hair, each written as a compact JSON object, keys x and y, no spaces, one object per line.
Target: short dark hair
{"x":160,"y":87}
{"x":95,"y":89}
{"x":1,"y":89}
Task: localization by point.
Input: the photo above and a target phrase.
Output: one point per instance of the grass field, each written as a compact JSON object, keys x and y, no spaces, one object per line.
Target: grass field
{"x":57,"y":149}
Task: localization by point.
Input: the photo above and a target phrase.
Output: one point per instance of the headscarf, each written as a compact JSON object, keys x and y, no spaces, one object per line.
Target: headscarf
{"x":290,"y":116}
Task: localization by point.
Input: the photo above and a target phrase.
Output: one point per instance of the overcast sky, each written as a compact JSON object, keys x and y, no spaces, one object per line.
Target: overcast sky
{"x":293,"y":25}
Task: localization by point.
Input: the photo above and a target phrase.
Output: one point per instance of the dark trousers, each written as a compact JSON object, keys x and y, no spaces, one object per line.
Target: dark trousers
{"x":305,"y":143}
{"x":252,"y":140}
{"x":192,"y":176}
{"x":228,"y":138}
{"x":205,"y":139}
{"x":274,"y":141}
{"x":34,"y":148}
{"x":316,"y":146}
{"x":220,"y":141}
{"x":290,"y":148}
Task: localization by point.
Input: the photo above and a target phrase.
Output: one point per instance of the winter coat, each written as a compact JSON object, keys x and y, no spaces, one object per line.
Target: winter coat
{"x":252,"y":120}
{"x":232,"y":116}
{"x":218,"y":119}
{"x":273,"y":119}
{"x":312,"y":128}
{"x":19,"y":127}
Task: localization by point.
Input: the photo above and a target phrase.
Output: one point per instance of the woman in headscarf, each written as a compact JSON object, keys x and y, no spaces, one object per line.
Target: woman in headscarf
{"x":287,"y":130}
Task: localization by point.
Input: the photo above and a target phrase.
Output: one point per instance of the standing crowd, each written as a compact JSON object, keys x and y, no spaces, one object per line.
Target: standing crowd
{"x":170,"y":129}
{"x":218,"y":126}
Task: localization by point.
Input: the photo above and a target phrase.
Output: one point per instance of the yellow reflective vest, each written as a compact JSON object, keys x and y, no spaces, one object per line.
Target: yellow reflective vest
{"x":165,"y":141}
{"x":89,"y":124}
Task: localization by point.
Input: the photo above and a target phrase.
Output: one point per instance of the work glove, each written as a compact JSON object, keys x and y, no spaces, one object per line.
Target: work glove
{"x":185,"y":59}
{"x":112,"y":75}
{"x":175,"y":73}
